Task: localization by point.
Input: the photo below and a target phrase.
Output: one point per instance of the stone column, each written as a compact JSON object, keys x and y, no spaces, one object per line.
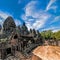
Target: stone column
{"x":2,"y":54}
{"x":13,"y":50}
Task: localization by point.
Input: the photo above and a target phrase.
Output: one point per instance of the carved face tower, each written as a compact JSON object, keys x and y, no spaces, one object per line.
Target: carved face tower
{"x":9,"y":25}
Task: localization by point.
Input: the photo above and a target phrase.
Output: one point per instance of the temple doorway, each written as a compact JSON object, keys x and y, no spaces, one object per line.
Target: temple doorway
{"x":8,"y":51}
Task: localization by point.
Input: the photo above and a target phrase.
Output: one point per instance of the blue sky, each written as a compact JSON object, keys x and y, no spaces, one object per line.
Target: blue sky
{"x":38,"y":14}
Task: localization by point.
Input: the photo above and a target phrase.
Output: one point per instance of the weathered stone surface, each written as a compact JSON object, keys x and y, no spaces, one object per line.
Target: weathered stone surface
{"x":9,"y":24}
{"x":19,"y":37}
{"x":24,"y":29}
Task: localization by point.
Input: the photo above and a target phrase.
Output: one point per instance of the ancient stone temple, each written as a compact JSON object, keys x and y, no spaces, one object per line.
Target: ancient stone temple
{"x":17,"y":38}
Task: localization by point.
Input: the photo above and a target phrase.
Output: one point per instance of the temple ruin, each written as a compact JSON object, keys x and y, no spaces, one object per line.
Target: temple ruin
{"x":17,"y":38}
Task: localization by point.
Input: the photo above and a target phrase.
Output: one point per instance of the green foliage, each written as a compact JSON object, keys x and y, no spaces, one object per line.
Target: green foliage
{"x":49,"y":34}
{"x":57,"y":35}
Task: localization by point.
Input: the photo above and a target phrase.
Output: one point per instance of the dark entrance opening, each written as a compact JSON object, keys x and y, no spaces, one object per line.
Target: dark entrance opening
{"x":17,"y":48}
{"x":15,"y":37}
{"x":8,"y":50}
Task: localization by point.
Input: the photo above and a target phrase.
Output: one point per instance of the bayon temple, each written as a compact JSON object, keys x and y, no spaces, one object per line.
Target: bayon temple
{"x":17,"y":38}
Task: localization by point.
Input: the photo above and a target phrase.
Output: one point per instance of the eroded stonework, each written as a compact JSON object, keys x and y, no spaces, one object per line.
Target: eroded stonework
{"x":17,"y":38}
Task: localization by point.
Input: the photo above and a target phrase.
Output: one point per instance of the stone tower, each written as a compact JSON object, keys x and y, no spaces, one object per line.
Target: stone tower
{"x":24,"y":29}
{"x":9,"y":25}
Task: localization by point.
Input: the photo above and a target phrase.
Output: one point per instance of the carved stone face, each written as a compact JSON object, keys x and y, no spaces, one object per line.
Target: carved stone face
{"x":9,"y":24}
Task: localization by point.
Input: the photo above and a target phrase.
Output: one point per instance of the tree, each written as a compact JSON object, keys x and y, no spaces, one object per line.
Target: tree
{"x":43,"y":34}
{"x":57,"y":35}
{"x":47,"y":34}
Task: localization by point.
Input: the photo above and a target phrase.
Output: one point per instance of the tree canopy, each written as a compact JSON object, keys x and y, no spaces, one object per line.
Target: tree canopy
{"x":51,"y":35}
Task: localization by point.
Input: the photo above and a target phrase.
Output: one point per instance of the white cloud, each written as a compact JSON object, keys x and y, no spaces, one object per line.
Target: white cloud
{"x":17,"y":22}
{"x":23,"y":17}
{"x":3,"y":16}
{"x":53,"y":28}
{"x":30,"y":7}
{"x":40,"y":22}
{"x":57,"y":18}
{"x":39,"y":17}
{"x":56,"y":30}
{"x":50,"y":6}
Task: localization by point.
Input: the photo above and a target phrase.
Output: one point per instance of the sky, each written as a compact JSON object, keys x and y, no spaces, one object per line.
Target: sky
{"x":37,"y":14}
